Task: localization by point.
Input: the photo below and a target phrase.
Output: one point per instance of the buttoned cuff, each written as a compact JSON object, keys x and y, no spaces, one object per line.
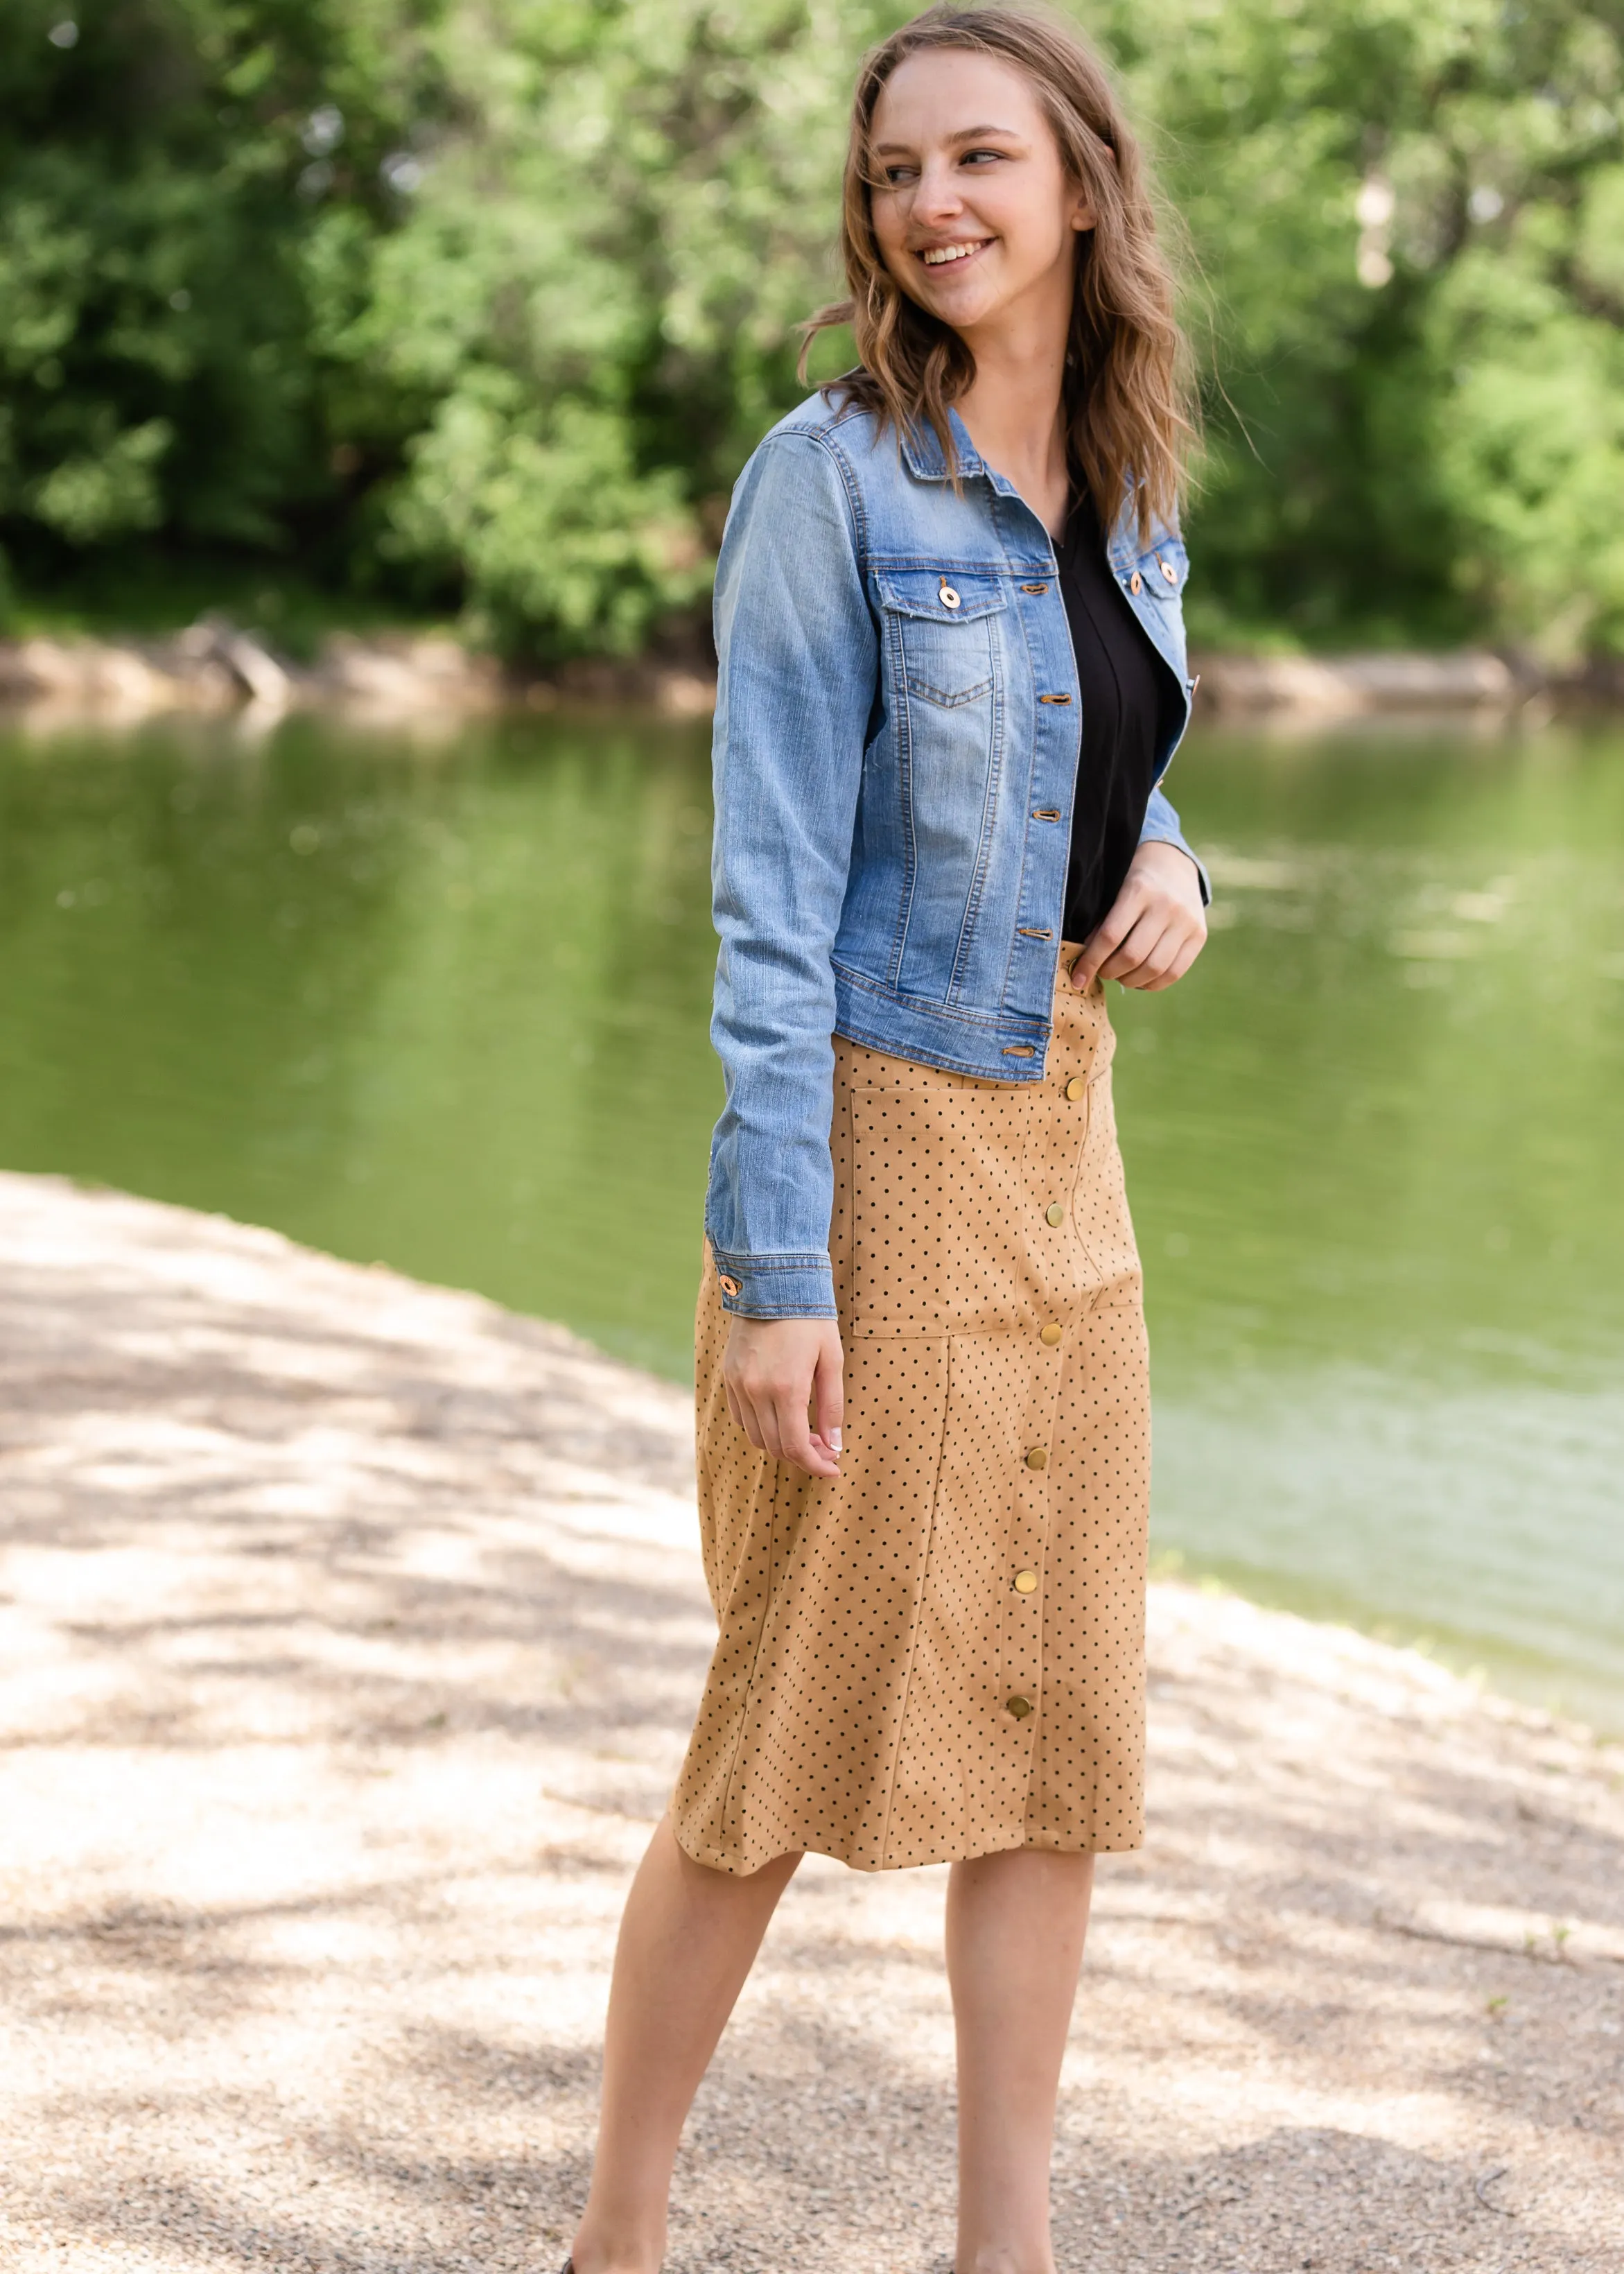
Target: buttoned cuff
{"x":775,"y":1286}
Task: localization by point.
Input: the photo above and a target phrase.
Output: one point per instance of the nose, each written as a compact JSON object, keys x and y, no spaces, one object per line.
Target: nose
{"x":937,"y":199}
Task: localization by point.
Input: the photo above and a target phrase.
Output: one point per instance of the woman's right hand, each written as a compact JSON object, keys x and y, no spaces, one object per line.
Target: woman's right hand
{"x":774,"y":1370}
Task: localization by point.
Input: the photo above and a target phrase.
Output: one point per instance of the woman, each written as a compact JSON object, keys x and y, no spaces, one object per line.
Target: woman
{"x":951,"y":673}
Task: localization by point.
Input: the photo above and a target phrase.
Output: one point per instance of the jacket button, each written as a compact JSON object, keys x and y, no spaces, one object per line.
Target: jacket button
{"x":1136,"y":583}
{"x":1051,"y":1334}
{"x":1077,"y":1087}
{"x":1038,"y":1457}
{"x":729,"y":1286}
{"x":1055,"y":1213}
{"x":1019,"y":1707}
{"x":1026,"y":1583}
{"x":948,"y":597}
{"x":1170,"y":572}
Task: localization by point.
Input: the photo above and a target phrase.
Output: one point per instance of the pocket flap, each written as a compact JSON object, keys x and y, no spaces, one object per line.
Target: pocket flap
{"x":940,"y":596}
{"x":1163,"y":571}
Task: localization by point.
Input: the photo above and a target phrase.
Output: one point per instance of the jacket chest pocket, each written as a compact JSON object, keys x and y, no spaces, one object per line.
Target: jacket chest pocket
{"x":942,"y":633}
{"x":1162,"y":573}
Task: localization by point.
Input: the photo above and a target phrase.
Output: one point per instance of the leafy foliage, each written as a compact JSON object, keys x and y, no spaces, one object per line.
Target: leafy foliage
{"x":1404,"y":213}
{"x":480,"y":304}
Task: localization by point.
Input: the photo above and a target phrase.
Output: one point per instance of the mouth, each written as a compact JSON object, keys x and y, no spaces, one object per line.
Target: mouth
{"x":942,"y":256}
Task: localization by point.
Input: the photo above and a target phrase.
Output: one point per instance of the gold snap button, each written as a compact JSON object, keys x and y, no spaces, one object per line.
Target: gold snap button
{"x":1054,"y":1212}
{"x":1026,"y":1583}
{"x":1077,"y":1087}
{"x":1136,"y":583}
{"x":1038,"y":1457}
{"x":1051,"y":1333}
{"x":949,"y":598}
{"x":1019,"y":1707}
{"x":728,"y":1286}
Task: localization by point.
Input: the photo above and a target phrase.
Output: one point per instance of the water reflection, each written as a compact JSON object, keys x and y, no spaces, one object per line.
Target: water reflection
{"x":444,"y":1002}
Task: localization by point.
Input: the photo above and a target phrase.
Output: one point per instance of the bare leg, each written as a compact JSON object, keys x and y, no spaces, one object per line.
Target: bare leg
{"x":688,"y":1937}
{"x":1015,"y":1929}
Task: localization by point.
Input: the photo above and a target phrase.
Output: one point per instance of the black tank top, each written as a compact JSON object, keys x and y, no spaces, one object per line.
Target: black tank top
{"x":1130,"y":710}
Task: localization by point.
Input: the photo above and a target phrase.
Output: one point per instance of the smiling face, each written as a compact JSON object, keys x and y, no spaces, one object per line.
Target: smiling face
{"x":973,"y":212}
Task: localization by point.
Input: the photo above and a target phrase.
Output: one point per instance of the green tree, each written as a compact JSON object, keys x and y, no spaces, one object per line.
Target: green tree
{"x":482,"y":303}
{"x":172,"y":174}
{"x":629,"y":209}
{"x":1405,"y":218}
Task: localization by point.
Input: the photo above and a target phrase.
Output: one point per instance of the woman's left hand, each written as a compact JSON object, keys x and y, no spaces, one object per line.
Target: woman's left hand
{"x":1156,"y":927}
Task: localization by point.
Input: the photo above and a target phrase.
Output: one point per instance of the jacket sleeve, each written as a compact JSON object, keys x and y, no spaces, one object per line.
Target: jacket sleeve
{"x":798,"y":656}
{"x":1161,"y":828}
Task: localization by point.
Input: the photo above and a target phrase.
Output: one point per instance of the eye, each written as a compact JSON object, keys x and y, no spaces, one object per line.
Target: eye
{"x":971,"y":157}
{"x":897,"y":175}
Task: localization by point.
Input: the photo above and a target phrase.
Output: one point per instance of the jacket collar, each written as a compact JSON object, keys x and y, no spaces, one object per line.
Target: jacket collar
{"x":922,"y":454}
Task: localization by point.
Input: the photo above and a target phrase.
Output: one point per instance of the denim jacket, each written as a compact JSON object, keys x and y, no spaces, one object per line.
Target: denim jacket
{"x":897,"y":738}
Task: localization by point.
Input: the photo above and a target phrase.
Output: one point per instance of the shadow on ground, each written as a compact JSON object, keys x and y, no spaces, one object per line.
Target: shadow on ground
{"x":349,"y":1648}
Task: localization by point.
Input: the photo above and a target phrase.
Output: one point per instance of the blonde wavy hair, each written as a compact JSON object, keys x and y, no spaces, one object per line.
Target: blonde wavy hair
{"x":1128,"y":394}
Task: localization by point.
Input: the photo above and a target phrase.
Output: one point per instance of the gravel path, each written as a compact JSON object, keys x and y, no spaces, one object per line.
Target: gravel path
{"x":348,"y":1632}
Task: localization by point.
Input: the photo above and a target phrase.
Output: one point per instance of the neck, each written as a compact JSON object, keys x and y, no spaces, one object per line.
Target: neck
{"x":1013,"y":409}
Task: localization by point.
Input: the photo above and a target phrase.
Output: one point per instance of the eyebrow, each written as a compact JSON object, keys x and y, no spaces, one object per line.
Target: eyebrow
{"x":964,"y":134}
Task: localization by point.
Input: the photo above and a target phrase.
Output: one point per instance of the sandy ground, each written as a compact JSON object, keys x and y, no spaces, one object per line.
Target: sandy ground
{"x":349,"y":1633}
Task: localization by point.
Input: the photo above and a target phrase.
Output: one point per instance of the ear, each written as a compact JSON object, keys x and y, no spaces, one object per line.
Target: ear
{"x":1085,"y":213}
{"x":1084,"y":216}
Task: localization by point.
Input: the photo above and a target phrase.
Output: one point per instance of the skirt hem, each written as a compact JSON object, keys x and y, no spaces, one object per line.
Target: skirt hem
{"x":715,"y":1859}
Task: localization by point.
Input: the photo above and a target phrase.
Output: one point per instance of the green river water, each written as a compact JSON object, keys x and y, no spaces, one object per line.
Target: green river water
{"x":442,"y":1001}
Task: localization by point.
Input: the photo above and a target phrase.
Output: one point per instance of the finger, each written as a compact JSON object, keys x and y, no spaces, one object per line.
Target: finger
{"x":750,"y":1423}
{"x":1175,"y":952}
{"x":1171,"y":969}
{"x":1157,"y":963}
{"x":795,"y":1440}
{"x":1182,"y":961}
{"x":1117,"y":924}
{"x":771,"y":1435}
{"x":804,"y":1442}
{"x":1137,"y":947}
{"x":1099,"y":943}
{"x":829,"y":1399}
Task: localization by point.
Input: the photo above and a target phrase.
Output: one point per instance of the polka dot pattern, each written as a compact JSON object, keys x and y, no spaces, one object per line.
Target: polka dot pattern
{"x":882,"y":1691}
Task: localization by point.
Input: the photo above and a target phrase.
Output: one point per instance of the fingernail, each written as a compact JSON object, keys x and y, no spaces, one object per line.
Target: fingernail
{"x":834,"y":1441}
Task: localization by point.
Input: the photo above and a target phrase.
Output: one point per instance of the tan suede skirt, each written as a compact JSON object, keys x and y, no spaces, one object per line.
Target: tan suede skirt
{"x":941,"y":1653}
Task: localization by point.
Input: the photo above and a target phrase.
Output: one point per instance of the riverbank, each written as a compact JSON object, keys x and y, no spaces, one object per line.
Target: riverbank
{"x":351,"y":1627}
{"x":215,"y":665}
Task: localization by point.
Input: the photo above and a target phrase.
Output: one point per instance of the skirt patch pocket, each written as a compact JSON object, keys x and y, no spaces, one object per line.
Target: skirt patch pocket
{"x":937,"y":1244}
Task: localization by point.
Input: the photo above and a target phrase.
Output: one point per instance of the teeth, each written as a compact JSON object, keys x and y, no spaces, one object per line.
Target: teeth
{"x":938,"y":253}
